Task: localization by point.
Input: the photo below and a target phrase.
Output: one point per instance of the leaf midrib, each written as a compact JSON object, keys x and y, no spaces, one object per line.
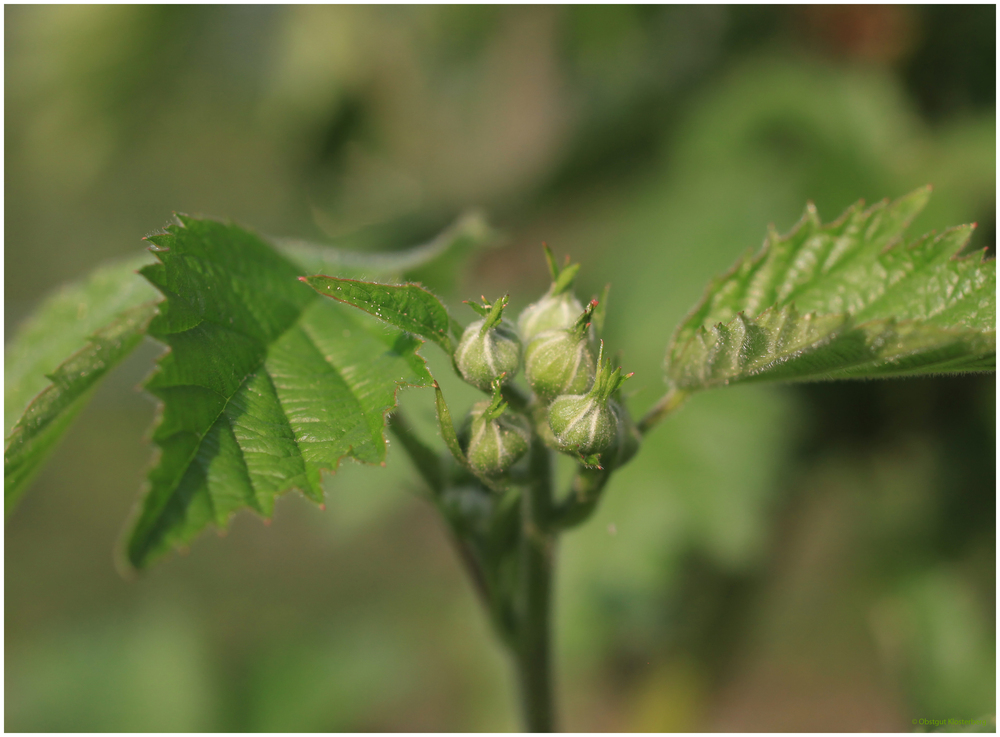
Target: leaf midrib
{"x":201,"y":436}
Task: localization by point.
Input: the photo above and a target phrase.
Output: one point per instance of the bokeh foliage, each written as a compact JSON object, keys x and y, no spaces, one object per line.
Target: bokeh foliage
{"x":811,"y":558}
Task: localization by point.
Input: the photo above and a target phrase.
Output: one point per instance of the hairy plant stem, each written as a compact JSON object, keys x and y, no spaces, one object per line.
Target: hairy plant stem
{"x":537,"y":550}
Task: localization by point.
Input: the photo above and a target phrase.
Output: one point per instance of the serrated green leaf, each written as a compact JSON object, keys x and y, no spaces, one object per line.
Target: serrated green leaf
{"x":58,"y":357}
{"x":850,"y":299}
{"x":92,"y":325}
{"x":409,"y":307}
{"x":265,"y":383}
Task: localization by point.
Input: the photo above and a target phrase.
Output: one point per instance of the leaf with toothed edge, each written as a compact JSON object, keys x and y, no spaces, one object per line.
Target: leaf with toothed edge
{"x":850,"y":299}
{"x":264,"y":386}
{"x":408,"y":307}
{"x":81,"y":332}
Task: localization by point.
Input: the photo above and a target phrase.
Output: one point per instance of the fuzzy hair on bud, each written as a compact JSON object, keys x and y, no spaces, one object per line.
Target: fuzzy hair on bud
{"x":489,"y":348}
{"x":588,"y":424}
{"x":495,"y":439}
{"x":551,"y":312}
{"x":559,"y":361}
{"x":581,"y":424}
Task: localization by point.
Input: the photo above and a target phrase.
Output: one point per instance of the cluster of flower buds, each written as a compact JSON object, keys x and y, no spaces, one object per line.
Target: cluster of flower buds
{"x":577,"y":406}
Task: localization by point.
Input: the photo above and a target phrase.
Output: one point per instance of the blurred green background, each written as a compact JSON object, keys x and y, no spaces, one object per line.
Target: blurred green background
{"x":819,"y":557}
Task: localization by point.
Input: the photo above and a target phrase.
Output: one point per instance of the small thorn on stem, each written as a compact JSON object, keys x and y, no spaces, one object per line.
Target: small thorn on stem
{"x":322,"y":507}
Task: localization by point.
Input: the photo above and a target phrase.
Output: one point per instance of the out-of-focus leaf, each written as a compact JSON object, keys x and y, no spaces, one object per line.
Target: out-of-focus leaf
{"x":59,"y":356}
{"x":264,"y":386}
{"x":62,"y":325}
{"x":444,"y":252}
{"x":409,"y":307}
{"x":50,"y":414}
{"x":846,"y":300}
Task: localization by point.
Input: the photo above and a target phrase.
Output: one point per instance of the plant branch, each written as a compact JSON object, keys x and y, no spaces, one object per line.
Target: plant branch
{"x":430,"y":468}
{"x":537,"y":548}
{"x":667,"y":404}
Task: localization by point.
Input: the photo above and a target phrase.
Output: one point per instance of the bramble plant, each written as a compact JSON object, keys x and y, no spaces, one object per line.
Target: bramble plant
{"x":272,"y":377}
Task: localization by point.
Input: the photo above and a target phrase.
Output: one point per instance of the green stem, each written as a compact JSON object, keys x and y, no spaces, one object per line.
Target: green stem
{"x":534,"y":641}
{"x":667,"y":404}
{"x":428,"y":465}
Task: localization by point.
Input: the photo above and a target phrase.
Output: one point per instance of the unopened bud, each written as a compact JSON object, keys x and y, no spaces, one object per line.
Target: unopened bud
{"x":489,"y":348}
{"x":585,"y":424}
{"x":494,"y":439}
{"x":556,"y":310}
{"x":559,"y":361}
{"x":551,"y":312}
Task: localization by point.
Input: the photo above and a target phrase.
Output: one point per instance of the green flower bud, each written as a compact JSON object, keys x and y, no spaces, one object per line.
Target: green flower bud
{"x":551,"y":312}
{"x":556,"y":310}
{"x":493,"y":439}
{"x":585,"y":424}
{"x":559,"y":361}
{"x":489,"y":348}
{"x":582,"y":424}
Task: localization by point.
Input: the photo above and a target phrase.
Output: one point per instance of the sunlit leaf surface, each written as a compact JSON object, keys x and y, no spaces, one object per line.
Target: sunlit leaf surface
{"x":265,"y":383}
